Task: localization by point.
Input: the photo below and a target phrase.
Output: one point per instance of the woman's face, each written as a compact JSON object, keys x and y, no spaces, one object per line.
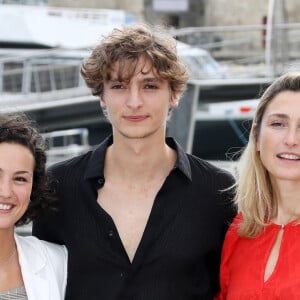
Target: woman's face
{"x":16,"y":177}
{"x":279,"y":137}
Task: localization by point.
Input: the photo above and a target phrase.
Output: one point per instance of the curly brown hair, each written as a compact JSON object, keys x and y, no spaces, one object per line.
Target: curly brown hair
{"x":19,"y":129}
{"x":127,"y":46}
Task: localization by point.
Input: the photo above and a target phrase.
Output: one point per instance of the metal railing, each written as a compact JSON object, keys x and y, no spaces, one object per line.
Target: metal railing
{"x":39,"y":72}
{"x":64,"y":144}
{"x":271,"y":48}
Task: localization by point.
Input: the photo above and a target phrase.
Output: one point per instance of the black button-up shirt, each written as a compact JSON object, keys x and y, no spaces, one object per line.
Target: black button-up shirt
{"x":178,"y":256}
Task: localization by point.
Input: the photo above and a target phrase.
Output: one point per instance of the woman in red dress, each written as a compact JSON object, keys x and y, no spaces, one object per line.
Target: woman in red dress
{"x":261,"y":253}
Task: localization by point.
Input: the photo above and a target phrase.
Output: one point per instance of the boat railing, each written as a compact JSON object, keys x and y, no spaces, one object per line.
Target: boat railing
{"x":64,"y":144}
{"x":39,"y":72}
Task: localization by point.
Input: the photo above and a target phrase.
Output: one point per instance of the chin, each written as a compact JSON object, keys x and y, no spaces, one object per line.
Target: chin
{"x":288,"y":176}
{"x":137,"y":135}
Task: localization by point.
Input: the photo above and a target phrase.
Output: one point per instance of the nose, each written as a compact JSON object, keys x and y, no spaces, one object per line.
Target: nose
{"x":5,"y":188}
{"x":134,"y":98}
{"x":292,"y":137}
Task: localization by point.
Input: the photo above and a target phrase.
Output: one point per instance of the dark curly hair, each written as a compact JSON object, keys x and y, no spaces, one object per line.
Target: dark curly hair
{"x":19,"y":129}
{"x":127,"y":46}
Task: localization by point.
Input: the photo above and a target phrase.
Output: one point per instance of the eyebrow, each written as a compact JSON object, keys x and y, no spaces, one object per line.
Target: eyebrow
{"x":147,"y":79}
{"x":153,"y":79}
{"x":278,"y":115}
{"x":21,"y":172}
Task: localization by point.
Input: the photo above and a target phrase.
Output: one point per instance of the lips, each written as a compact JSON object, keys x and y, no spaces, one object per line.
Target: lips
{"x":135,"y":118}
{"x":289,"y":156}
{"x":6,"y":207}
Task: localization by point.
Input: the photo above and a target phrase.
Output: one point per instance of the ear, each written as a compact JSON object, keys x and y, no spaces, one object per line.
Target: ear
{"x":174,"y":101}
{"x":102,"y":102}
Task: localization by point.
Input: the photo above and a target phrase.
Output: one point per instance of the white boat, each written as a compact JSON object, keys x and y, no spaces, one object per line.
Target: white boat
{"x":200,"y":62}
{"x":44,"y":26}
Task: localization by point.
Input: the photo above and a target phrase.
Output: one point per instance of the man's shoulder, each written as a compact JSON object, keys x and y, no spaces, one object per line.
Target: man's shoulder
{"x":193,"y":165}
{"x":202,"y":165}
{"x":205,"y":173}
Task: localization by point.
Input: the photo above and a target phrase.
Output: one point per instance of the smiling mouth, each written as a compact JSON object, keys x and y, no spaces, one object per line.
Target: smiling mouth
{"x":6,"y":207}
{"x":289,"y":156}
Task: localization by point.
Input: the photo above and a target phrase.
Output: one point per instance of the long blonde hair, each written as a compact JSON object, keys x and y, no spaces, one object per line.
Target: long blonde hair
{"x":254,"y":192}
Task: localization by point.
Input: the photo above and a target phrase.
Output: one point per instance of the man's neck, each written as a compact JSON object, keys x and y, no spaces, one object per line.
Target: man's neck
{"x":139,"y":160}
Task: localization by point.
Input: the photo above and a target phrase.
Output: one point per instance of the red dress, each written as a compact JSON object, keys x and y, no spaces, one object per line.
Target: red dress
{"x":244,"y":261}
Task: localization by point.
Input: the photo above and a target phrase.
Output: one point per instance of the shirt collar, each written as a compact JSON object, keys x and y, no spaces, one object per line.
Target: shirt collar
{"x":182,"y":162}
{"x":95,"y":166}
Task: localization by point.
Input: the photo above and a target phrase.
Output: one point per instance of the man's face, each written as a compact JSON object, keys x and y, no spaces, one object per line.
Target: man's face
{"x":138,"y":108}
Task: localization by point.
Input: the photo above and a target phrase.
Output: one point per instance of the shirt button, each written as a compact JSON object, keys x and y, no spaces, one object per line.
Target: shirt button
{"x":111,"y":234}
{"x":122,"y":274}
{"x":101,"y":181}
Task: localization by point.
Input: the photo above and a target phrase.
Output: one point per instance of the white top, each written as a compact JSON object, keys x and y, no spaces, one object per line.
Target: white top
{"x":43,"y":267}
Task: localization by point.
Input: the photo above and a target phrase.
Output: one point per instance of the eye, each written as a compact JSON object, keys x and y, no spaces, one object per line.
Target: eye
{"x":278,"y":124}
{"x":21,"y":179}
{"x":117,"y":86}
{"x":151,"y":87}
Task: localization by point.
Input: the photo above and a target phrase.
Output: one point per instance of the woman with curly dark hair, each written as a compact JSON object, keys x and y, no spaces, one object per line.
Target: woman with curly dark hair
{"x":29,"y":268}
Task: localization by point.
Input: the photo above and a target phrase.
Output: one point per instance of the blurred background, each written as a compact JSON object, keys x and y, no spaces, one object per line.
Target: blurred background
{"x":234,"y":49}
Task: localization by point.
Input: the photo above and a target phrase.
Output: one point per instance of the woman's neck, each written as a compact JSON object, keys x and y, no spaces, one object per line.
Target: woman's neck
{"x":8,"y":245}
{"x":287,"y":195}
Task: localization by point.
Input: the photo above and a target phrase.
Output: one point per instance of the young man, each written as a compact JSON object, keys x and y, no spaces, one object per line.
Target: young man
{"x":141,"y":219}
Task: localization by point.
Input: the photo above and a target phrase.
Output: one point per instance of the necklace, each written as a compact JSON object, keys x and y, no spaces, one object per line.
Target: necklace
{"x":8,"y":259}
